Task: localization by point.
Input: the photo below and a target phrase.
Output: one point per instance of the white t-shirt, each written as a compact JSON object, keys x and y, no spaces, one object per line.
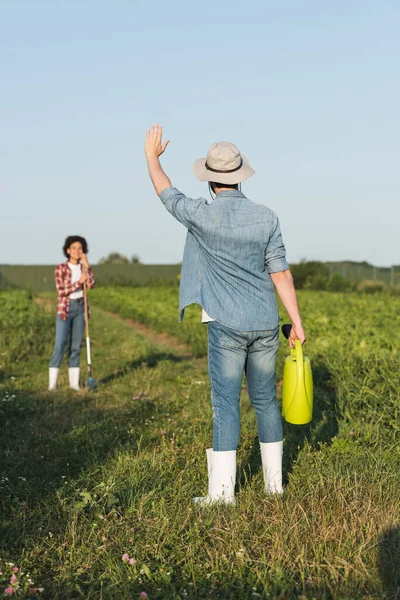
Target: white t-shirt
{"x":205,"y":318}
{"x":76,"y":275}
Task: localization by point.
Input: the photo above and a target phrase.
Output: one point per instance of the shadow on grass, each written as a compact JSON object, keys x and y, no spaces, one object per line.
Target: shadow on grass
{"x":150,"y":361}
{"x":59,"y":436}
{"x":324,"y":425}
{"x":389,"y":562}
{"x":274,"y":587}
{"x":240,"y":588}
{"x":321,"y":430}
{"x":246,"y":586}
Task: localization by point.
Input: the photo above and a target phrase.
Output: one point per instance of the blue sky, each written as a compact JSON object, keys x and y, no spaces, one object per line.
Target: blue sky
{"x":308,"y":90}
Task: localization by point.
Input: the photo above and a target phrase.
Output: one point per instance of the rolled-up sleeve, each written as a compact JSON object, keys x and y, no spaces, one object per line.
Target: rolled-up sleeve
{"x":181,"y":207}
{"x":275,"y":252}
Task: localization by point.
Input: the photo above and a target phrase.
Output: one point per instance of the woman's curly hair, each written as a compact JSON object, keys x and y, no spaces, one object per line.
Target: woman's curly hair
{"x":71,"y":239}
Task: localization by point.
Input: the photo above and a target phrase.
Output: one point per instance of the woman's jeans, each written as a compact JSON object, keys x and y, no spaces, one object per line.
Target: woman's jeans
{"x":231,"y":352}
{"x":74,"y":325}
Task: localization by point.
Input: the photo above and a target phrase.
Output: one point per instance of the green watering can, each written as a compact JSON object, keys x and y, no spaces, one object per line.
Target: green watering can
{"x":297,"y":388}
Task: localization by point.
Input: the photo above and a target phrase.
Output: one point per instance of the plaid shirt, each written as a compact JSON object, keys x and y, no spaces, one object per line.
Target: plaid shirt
{"x":62,"y":276}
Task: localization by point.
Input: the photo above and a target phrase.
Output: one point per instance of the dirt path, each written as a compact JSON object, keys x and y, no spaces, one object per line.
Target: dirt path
{"x":161,"y":339}
{"x":164,"y":339}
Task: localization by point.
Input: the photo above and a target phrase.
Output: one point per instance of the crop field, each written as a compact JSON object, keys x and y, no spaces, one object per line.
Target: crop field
{"x":96,"y":487}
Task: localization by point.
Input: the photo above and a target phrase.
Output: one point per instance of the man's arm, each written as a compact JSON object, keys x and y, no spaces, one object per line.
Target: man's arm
{"x":153,"y":149}
{"x":283,"y":282}
{"x":181,"y":207}
{"x":277,"y":267}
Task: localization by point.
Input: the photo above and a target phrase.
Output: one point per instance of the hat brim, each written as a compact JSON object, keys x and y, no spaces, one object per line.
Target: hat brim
{"x":204,"y":174}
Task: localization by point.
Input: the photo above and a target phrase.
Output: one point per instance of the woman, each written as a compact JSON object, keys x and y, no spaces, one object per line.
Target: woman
{"x":70,"y":277}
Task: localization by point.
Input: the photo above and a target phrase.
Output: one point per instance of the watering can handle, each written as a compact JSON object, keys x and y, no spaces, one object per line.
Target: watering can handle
{"x":298,"y":351}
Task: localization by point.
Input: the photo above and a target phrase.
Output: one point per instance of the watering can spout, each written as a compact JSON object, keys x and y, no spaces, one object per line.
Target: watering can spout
{"x":297,"y":388}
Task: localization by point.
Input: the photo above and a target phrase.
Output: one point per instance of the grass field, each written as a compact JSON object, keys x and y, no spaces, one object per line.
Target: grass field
{"x":96,"y":488}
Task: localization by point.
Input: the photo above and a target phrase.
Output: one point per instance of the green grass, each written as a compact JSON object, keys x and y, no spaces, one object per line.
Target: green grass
{"x":20,"y":321}
{"x":87,"y":477}
{"x":158,"y":308}
{"x":352,"y":345}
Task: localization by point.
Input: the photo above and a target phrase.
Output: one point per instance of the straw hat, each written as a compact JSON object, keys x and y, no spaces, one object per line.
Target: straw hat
{"x":223,"y":164}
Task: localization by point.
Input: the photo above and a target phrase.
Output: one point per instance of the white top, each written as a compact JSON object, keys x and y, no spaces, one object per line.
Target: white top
{"x":205,"y":318}
{"x":76,"y":275}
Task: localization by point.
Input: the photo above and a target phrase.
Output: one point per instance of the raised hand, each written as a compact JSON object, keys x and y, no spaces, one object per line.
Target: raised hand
{"x":154,"y":146}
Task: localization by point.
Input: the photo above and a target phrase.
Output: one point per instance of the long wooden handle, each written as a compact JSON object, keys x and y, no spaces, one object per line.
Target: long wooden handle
{"x":86,"y":314}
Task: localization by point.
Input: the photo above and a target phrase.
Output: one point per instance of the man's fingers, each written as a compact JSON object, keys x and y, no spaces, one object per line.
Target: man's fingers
{"x":294,"y":336}
{"x":159,"y":134}
{"x":154,"y":139}
{"x":153,"y":135}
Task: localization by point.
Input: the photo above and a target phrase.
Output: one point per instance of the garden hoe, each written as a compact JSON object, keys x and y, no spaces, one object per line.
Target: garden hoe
{"x":91,"y":383}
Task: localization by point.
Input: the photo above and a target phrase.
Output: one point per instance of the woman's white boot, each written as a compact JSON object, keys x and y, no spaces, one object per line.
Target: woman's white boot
{"x":73,"y":376}
{"x":271,"y":458}
{"x":53,"y":376}
{"x":221,"y":477}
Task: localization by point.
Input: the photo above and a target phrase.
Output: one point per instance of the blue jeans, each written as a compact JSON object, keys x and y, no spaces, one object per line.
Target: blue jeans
{"x":230,"y":353}
{"x":75,"y":326}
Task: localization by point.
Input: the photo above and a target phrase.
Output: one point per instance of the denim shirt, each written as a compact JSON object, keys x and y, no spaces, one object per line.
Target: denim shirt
{"x":232,"y":246}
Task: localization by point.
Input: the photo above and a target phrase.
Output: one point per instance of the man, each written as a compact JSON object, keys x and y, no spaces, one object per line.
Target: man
{"x":234,"y":259}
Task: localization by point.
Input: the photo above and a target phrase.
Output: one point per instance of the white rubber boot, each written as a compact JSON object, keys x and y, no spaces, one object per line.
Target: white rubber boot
{"x":73,"y":376}
{"x":221,"y":477}
{"x":271,"y":458}
{"x":53,"y":376}
{"x":205,"y":499}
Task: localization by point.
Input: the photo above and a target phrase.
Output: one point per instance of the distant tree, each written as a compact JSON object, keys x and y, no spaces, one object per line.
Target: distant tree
{"x":135,"y":259}
{"x":311,"y":274}
{"x":337,"y":283}
{"x":114,"y":258}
